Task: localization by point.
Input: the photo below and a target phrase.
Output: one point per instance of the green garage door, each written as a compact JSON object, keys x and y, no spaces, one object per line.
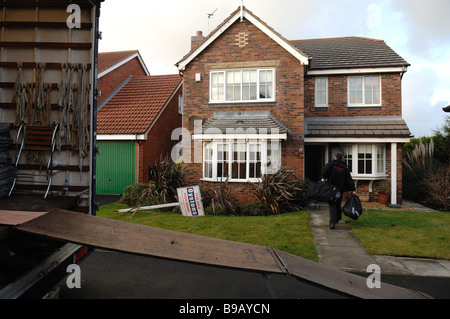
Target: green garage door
{"x":115,"y":166}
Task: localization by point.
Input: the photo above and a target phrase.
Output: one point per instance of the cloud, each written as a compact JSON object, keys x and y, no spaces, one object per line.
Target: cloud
{"x":422,"y":113}
{"x":426,"y":22}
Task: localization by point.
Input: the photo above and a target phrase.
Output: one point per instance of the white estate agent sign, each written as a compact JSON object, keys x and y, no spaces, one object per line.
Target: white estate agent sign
{"x":190,"y":201}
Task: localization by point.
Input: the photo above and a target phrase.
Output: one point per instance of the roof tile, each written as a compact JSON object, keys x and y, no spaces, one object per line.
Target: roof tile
{"x":339,"y":127}
{"x":134,"y":108}
{"x":348,"y":52}
{"x":109,"y":59}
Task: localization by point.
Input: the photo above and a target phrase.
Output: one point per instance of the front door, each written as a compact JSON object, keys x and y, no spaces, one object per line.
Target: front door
{"x":314,"y":161}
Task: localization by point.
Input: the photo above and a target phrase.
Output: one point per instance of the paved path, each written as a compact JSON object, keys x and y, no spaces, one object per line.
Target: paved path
{"x":340,"y":248}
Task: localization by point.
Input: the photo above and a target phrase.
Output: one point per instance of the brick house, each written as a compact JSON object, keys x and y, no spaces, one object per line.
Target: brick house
{"x":135,"y":120}
{"x":115,"y":69}
{"x":255,"y":102}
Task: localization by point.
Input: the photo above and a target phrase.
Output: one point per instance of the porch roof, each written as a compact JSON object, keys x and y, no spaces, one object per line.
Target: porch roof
{"x":357,"y":127}
{"x":259,"y":124}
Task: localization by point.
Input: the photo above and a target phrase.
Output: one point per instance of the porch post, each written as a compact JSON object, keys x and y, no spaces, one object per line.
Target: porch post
{"x":394,"y":173}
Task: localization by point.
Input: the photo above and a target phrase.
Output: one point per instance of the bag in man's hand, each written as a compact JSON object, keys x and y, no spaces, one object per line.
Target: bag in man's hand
{"x":353,"y":207}
{"x":322,"y":192}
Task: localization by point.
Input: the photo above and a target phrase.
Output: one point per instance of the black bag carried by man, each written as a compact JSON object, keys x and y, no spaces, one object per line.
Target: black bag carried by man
{"x":322,"y":192}
{"x":353,"y":207}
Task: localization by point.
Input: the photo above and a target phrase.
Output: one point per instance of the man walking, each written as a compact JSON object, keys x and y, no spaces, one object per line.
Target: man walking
{"x":337,"y":174}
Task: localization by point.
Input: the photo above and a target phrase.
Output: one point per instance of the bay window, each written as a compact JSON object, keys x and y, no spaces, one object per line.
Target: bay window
{"x":240,"y":160}
{"x":242,"y":85}
{"x":208,"y":154}
{"x":365,"y":160}
{"x":348,"y":156}
{"x":381,"y":159}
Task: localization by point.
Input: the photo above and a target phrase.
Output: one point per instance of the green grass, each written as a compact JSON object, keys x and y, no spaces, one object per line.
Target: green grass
{"x":403,"y":233}
{"x":395,"y":233}
{"x":287,"y":232}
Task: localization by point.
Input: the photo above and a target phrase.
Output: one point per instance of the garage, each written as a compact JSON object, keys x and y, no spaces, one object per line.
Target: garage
{"x":115,"y":166}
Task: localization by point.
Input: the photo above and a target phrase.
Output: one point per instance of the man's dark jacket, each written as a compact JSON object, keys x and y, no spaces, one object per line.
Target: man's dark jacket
{"x":338,"y":174}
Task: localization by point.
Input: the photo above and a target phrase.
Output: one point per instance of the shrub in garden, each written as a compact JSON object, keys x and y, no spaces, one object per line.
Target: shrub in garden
{"x":280,"y":192}
{"x":253,"y":208}
{"x":164,"y":179}
{"x":438,"y":186}
{"x":132,"y":195}
{"x":220,"y":200}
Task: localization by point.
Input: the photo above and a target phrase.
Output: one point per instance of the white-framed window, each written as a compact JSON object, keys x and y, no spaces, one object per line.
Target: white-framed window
{"x":364,"y":90}
{"x":321,"y":92}
{"x":208,"y":154}
{"x":217,"y":86}
{"x":180,"y":104}
{"x":381,"y":159}
{"x":240,"y":161}
{"x":246,"y":85}
{"x":365,"y":160}
{"x":348,"y":156}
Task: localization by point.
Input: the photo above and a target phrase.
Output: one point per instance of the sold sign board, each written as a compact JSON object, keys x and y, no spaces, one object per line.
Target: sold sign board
{"x":190,"y":201}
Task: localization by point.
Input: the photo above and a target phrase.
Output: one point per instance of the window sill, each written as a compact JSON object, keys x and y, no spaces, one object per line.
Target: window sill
{"x":238,"y":103}
{"x":364,"y":105}
{"x":216,"y":180}
{"x":369,"y":177}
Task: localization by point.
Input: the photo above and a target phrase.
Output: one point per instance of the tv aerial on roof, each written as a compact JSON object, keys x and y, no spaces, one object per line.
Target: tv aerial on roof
{"x":210,"y":15}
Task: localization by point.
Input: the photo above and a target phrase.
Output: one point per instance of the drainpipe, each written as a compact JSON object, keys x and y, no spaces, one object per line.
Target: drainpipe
{"x":138,"y":173}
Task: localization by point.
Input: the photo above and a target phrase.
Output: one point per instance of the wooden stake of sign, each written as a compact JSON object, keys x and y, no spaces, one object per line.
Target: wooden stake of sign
{"x":139,"y":208}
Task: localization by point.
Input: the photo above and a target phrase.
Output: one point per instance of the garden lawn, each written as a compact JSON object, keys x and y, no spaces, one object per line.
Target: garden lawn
{"x":287,"y":232}
{"x":403,"y":233}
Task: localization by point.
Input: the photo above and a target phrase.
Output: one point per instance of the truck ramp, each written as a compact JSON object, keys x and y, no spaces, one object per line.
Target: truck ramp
{"x":137,"y":239}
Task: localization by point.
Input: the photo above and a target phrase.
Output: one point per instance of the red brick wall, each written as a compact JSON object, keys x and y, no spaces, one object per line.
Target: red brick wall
{"x":337,"y":107}
{"x":337,"y":98}
{"x":159,"y":141}
{"x":113,"y":79}
{"x":288,"y":107}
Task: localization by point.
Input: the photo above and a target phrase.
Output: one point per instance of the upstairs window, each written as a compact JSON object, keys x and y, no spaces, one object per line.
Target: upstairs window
{"x":242,"y":85}
{"x":364,"y":91}
{"x":321,"y":92}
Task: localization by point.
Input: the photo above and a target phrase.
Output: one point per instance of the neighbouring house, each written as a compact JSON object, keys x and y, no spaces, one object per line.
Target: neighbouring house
{"x":135,"y":120}
{"x":255,"y":102}
{"x":115,"y":69}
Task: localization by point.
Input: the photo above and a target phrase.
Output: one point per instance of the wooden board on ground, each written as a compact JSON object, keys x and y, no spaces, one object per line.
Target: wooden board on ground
{"x":132,"y":238}
{"x":127,"y":237}
{"x":341,"y":281}
{"x":13,"y":218}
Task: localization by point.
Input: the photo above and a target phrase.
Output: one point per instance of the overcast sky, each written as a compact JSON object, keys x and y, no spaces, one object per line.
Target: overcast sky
{"x":416,"y":29}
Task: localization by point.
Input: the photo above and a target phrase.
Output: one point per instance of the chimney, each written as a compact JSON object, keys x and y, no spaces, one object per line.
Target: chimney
{"x":197,"y":39}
